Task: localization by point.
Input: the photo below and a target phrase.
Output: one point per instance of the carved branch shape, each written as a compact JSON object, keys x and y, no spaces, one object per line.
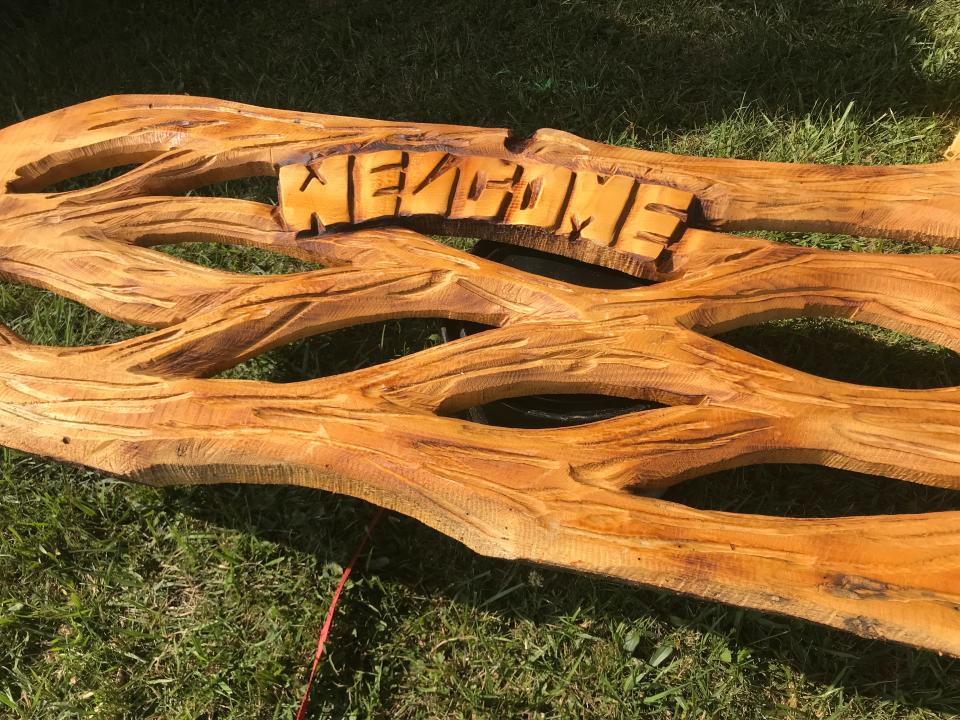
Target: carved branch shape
{"x":577,"y":497}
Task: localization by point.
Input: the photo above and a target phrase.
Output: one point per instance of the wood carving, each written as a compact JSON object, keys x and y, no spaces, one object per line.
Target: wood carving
{"x":355,"y":196}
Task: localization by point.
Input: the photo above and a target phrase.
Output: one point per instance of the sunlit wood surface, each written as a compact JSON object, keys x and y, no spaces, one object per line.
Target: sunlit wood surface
{"x":356,"y":196}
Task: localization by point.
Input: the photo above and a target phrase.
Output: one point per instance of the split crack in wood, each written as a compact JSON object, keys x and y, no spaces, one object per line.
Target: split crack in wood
{"x":145,"y":409}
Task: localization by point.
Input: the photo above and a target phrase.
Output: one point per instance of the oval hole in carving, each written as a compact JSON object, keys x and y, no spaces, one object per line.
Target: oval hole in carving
{"x":556,"y":267}
{"x":236,"y":258}
{"x":850,"y":351}
{"x":809,"y":491}
{"x":85,"y":180}
{"x":45,"y":318}
{"x":345,"y":350}
{"x":553,"y":410}
{"x":261,"y":188}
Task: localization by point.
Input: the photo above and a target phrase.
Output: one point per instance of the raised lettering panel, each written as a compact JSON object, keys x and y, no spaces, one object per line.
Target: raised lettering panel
{"x":595,"y":207}
{"x":319,"y":188}
{"x":608,"y":210}
{"x":378,"y":179}
{"x":650,"y":224}
{"x":539,"y":198}
{"x":431,"y":179}
{"x":485,"y":187}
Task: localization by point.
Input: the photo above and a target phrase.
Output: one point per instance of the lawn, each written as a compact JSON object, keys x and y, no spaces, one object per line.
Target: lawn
{"x":123,"y":601}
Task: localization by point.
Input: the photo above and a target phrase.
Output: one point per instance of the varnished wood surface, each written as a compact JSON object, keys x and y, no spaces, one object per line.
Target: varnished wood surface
{"x":146,"y":409}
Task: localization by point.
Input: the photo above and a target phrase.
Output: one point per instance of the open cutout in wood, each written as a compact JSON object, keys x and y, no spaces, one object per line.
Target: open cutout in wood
{"x":146,"y":409}
{"x":850,"y":351}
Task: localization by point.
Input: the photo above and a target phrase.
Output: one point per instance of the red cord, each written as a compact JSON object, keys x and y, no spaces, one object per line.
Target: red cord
{"x":328,"y":621}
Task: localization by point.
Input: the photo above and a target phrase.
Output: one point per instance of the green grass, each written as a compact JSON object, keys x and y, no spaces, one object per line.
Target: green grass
{"x":123,"y":601}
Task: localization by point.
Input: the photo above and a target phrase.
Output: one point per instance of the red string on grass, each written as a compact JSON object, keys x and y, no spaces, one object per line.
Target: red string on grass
{"x":328,"y":621}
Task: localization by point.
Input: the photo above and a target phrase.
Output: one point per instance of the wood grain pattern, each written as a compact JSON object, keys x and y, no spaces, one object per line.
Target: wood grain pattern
{"x":355,"y":195}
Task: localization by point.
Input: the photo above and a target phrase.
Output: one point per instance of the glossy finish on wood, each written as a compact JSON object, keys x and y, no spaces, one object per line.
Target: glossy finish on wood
{"x":579,"y":497}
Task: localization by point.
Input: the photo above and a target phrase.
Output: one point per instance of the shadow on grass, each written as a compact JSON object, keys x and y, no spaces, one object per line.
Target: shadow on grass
{"x":596,"y":69}
{"x":913,"y":678}
{"x":429,"y":564}
{"x":599,"y":69}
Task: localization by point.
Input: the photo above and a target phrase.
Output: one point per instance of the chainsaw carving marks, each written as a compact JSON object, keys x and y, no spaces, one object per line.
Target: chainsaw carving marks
{"x":608,"y":210}
{"x":581,"y":498}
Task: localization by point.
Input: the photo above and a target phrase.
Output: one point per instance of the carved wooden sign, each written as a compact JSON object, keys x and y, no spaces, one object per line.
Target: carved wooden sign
{"x":609,"y":210}
{"x":353,"y":194}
